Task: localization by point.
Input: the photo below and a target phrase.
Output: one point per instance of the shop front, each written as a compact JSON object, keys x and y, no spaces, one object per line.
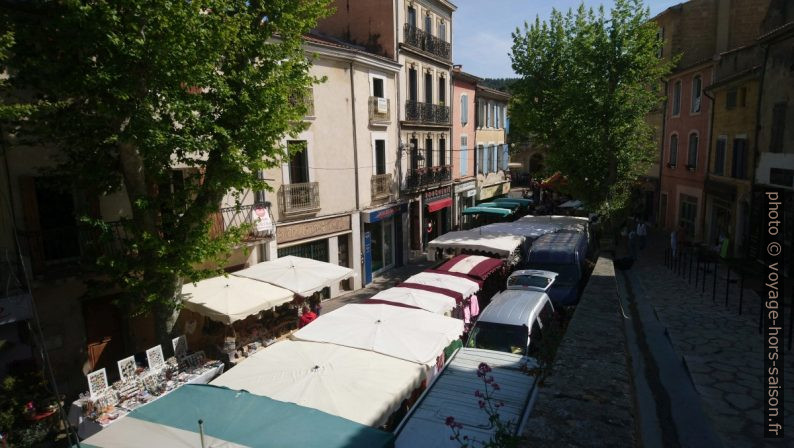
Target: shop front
{"x":464,"y":197}
{"x":499,"y":188}
{"x":438,"y":207}
{"x":382,"y":240}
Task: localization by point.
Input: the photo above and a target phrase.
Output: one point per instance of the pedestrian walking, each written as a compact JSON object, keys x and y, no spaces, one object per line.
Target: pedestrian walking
{"x":642,"y":233}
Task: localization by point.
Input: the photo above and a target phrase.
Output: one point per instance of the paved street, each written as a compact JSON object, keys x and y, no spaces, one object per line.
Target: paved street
{"x":720,"y":348}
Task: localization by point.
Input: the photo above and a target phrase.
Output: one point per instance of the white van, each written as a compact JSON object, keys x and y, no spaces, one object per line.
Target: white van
{"x":514,"y":320}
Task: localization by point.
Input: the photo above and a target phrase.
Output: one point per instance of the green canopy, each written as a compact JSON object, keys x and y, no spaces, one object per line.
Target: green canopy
{"x":237,"y":417}
{"x":519,"y":201}
{"x":487,"y":211}
{"x":508,"y":205}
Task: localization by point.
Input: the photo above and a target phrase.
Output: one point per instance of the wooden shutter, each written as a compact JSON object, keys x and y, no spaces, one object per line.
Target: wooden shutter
{"x":30,"y":211}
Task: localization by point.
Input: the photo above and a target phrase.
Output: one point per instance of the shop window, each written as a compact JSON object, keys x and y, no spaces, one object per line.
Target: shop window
{"x":688,"y":213}
{"x":316,"y":250}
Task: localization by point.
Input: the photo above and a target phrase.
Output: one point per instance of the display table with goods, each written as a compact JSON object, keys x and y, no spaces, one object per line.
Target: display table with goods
{"x":103,"y":406}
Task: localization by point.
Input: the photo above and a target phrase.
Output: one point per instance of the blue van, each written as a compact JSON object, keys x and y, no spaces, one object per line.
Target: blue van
{"x":565,"y":253}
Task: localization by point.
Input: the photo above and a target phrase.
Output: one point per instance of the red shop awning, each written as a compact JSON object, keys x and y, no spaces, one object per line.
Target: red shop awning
{"x":439,"y":204}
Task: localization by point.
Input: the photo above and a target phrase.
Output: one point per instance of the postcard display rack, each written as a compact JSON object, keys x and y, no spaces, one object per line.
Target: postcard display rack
{"x":104,"y":403}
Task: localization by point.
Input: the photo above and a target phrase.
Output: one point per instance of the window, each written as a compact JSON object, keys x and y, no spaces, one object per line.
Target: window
{"x":412,"y":85}
{"x":660,"y":38}
{"x":719,"y":155}
{"x":442,"y":30}
{"x":743,"y":97}
{"x":442,"y":90}
{"x":428,"y":152}
{"x":298,"y":162}
{"x":464,"y":154}
{"x":414,"y":154}
{"x":480,"y":159}
{"x":730,"y":99}
{"x":429,"y":24}
{"x":316,"y":250}
{"x":377,"y":87}
{"x":380,"y":156}
{"x":697,"y":92}
{"x":464,"y":109}
{"x":505,"y":156}
{"x":688,"y":210}
{"x":677,"y":98}
{"x":778,"y":127}
{"x":442,"y":151}
{"x":480,"y":114}
{"x":739,"y":166}
{"x":412,"y":16}
{"x":428,"y":88}
{"x":497,"y":114}
{"x":692,"y":154}
{"x":673,"y":161}
{"x":494,"y":159}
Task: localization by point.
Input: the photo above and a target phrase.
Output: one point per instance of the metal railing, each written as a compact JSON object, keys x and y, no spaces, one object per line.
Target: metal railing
{"x":379,"y":110}
{"x":421,"y":177}
{"x":426,"y":112}
{"x":299,"y":198}
{"x":381,"y":185}
{"x":256,"y":217}
{"x":425,"y":41}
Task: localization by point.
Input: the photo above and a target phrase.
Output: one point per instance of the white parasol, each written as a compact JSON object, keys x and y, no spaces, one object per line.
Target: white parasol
{"x":229,"y":299}
{"x":426,"y":300}
{"x":302,"y":276}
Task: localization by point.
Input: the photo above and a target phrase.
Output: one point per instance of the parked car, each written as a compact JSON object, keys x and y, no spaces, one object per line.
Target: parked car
{"x":514,"y":320}
{"x":565,"y":253}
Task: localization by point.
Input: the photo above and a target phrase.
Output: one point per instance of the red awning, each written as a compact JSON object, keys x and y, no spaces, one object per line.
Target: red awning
{"x":439,"y":204}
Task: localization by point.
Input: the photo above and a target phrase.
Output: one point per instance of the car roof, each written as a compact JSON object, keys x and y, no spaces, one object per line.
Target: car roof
{"x":558,"y":247}
{"x":514,"y":307}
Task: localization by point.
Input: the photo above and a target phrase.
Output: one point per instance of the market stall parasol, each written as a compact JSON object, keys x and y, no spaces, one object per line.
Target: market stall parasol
{"x":302,"y":276}
{"x":358,"y":385}
{"x":229,"y":299}
{"x":427,"y":300}
{"x":475,"y":266}
{"x":465,"y":287}
{"x":405,"y":333}
{"x":232,"y":419}
{"x":498,"y":244}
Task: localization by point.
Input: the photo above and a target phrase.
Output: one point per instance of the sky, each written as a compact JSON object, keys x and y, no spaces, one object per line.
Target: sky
{"x":482,"y":29}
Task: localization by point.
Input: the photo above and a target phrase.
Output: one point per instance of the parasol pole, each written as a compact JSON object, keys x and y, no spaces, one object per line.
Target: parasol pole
{"x":201,"y":432}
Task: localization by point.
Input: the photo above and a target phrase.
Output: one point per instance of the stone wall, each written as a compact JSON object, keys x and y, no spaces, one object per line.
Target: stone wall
{"x":587,"y":399}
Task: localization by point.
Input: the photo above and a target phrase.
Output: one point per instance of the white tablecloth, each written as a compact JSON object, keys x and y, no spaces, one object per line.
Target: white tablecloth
{"x":87,"y":427}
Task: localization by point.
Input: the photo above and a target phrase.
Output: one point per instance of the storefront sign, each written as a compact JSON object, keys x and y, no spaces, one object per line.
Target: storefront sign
{"x":465,"y":187}
{"x":384,"y":213}
{"x":261,"y":218}
{"x":295,"y":232}
{"x":15,"y":308}
{"x":494,"y":190}
{"x":470,"y":193}
{"x":437,"y":194}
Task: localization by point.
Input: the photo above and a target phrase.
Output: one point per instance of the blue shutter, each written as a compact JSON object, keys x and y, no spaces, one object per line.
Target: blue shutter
{"x":464,"y":109}
{"x":505,"y":156}
{"x":463,"y":155}
{"x":485,"y":159}
{"x":495,"y":158}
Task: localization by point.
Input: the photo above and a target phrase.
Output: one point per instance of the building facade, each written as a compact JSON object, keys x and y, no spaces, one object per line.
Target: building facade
{"x":464,"y":91}
{"x":417,"y":35}
{"x":493,"y":154}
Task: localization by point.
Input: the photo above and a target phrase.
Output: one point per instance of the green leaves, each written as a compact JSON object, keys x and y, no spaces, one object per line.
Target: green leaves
{"x":584,"y":94}
{"x":146,"y":86}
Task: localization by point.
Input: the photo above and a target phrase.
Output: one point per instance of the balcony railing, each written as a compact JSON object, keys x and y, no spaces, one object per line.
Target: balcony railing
{"x":426,"y":112}
{"x":256,"y":218}
{"x":299,"y":198}
{"x":381,"y":186}
{"x":425,"y":41}
{"x":422,"y":177}
{"x":379,"y":110}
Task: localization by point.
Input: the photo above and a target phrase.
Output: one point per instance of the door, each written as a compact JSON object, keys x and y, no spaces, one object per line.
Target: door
{"x":367,"y":257}
{"x":103,"y":331}
{"x":416,"y":227}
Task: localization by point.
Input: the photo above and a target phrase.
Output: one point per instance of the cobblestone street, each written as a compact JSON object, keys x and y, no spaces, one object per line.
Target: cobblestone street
{"x":721,"y":349}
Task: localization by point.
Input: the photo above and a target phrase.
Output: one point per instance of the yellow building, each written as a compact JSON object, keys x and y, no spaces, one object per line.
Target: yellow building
{"x":733,"y":143}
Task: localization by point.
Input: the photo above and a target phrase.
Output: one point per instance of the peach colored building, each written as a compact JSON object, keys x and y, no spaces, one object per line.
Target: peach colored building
{"x":464,"y":90}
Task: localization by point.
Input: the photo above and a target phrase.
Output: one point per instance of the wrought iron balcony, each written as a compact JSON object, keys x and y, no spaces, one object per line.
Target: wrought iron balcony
{"x":256,"y":217}
{"x":379,"y":110}
{"x":299,"y":198}
{"x":426,"y":112}
{"x":425,"y":41}
{"x":422,"y":177}
{"x":381,"y":185}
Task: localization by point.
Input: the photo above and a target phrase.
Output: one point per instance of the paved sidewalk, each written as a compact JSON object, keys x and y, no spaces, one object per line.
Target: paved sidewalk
{"x":722,"y":350}
{"x":388,"y":279}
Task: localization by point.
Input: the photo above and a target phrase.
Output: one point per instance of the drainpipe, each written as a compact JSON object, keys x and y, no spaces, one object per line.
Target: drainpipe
{"x":661,"y":158}
{"x":355,"y":135}
{"x":708,"y":163}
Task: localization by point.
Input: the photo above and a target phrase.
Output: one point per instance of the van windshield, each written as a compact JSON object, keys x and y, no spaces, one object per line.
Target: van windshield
{"x":499,"y":337}
{"x":529,"y":280}
{"x":567,"y":274}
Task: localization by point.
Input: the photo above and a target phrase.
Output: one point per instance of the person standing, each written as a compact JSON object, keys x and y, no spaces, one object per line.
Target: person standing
{"x":674,"y":242}
{"x":642,"y":233}
{"x":307,"y":317}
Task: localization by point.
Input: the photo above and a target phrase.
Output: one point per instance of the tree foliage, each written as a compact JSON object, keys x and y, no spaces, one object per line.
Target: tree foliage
{"x":587,"y":83}
{"x":143,"y":87}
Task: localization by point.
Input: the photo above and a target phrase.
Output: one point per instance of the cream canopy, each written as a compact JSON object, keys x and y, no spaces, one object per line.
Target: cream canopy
{"x":426,"y":300}
{"x":229,"y":299}
{"x":302,"y":276}
{"x":406,"y":333}
{"x":358,"y":385}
